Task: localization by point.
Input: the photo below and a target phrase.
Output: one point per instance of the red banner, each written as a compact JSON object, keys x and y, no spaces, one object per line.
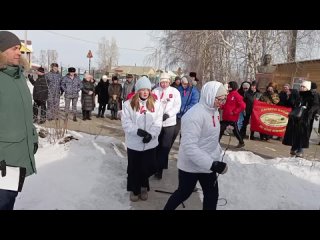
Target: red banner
{"x":269,"y":119}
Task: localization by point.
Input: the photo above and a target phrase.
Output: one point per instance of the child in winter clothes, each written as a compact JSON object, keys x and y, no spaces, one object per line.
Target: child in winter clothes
{"x":113,"y":106}
{"x":114,"y":91}
{"x":141,"y":122}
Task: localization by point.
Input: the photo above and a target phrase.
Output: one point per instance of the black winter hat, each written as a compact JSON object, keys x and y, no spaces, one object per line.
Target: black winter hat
{"x":193,"y":74}
{"x":54,"y":65}
{"x":8,"y":40}
{"x":114,"y":78}
{"x":40,"y":69}
{"x":314,"y":85}
{"x":71,"y":69}
{"x":233,"y":85}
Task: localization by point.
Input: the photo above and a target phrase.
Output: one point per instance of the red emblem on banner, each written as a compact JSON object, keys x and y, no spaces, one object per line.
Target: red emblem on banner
{"x":269,"y":119}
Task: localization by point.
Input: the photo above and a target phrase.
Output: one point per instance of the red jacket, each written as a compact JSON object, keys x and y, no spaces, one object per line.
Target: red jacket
{"x":233,"y":107}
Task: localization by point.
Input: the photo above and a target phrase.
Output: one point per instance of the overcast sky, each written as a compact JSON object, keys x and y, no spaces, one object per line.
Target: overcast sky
{"x":73,"y":45}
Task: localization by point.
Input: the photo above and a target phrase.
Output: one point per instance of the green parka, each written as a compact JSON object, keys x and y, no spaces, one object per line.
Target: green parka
{"x":17,"y":132}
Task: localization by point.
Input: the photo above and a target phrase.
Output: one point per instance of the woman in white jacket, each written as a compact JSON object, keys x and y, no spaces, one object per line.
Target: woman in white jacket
{"x":200,"y":154}
{"x":171,"y":102}
{"x":141,"y":121}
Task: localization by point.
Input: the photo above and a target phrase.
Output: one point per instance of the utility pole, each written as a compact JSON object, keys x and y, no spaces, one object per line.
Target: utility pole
{"x":26,"y":44}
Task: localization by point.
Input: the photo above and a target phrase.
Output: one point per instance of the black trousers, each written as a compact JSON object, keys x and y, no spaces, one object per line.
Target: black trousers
{"x":163,"y":149}
{"x":141,"y":165}
{"x":187,"y":183}
{"x":42,"y":105}
{"x":102,"y":108}
{"x":245,"y":123}
{"x":310,"y":127}
{"x":7,"y":199}
{"x":86,"y":115}
{"x":225,"y":124}
{"x":177,"y":129}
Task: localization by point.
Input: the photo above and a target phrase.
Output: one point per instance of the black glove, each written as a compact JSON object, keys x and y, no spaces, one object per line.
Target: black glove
{"x":219,"y":167}
{"x":142,"y":133}
{"x":147,"y":138}
{"x":30,"y":77}
{"x":165,"y":117}
{"x":316,"y":117}
{"x":35,"y":148}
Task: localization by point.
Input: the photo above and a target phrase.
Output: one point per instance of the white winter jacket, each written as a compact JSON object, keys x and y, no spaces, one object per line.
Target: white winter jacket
{"x":171,"y":103}
{"x":149,"y":121}
{"x":200,"y":129}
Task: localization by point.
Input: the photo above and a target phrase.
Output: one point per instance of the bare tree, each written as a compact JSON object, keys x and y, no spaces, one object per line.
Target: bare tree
{"x":114,"y":53}
{"x":102,"y":54}
{"x":226,"y":55}
{"x":34,"y":59}
{"x":108,"y":54}
{"x":47,"y":57}
{"x":52,"y":57}
{"x":43,"y":58}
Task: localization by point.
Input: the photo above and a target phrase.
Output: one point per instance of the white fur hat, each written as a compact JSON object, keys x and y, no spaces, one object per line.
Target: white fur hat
{"x":184,"y":80}
{"x":164,"y":77}
{"x":245,"y":85}
{"x":142,"y":83}
{"x":104,"y":77}
{"x":222,"y":91}
{"x":306,"y":84}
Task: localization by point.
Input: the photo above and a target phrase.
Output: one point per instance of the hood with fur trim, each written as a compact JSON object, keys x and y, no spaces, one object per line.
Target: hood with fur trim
{"x":23,"y":62}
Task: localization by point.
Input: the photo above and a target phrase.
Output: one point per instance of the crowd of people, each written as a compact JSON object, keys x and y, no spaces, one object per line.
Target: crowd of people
{"x":151,"y":118}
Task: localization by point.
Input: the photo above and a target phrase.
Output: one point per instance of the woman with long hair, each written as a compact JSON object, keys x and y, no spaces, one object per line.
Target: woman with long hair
{"x":141,"y":121}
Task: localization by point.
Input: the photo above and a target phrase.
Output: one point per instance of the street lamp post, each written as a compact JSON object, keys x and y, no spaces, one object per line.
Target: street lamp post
{"x":89,"y":55}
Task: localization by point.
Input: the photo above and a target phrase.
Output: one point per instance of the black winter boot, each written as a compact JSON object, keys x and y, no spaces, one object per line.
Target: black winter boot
{"x":88,"y":115}
{"x":252,"y":136}
{"x":102,"y":114}
{"x":158,"y":175}
{"x":115,"y":115}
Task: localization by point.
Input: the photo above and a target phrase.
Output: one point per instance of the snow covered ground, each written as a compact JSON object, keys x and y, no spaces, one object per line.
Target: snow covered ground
{"x":90,"y":174}
{"x":282,"y":183}
{"x":83,"y":174}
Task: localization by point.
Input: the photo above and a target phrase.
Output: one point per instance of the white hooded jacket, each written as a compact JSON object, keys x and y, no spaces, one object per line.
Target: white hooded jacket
{"x":149,"y":121}
{"x":200,"y":129}
{"x":171,"y":103}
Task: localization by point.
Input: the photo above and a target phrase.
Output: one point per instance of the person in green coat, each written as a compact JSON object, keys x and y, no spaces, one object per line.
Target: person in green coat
{"x":18,"y":136}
